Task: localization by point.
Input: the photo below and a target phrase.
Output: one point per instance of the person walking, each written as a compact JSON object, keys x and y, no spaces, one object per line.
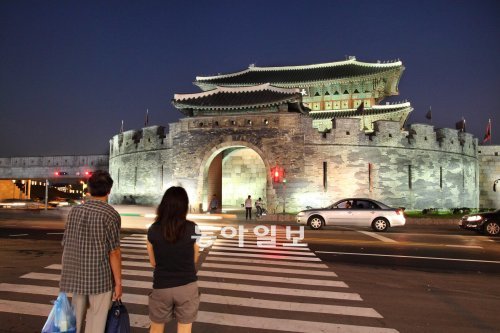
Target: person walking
{"x":91,"y":259}
{"x":248,"y":208}
{"x":173,"y":252}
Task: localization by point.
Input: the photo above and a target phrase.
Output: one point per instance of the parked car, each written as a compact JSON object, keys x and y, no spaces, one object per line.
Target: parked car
{"x":359,"y":212}
{"x":486,"y":222}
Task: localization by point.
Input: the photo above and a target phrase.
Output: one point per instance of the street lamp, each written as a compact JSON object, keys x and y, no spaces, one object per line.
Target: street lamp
{"x":495,"y":185}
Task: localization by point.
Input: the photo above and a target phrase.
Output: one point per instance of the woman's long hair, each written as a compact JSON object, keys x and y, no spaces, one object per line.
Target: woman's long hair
{"x":171,"y":213}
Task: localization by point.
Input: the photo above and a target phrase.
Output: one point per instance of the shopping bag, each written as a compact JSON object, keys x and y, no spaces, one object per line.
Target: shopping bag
{"x":61,"y":318}
{"x":118,"y":320}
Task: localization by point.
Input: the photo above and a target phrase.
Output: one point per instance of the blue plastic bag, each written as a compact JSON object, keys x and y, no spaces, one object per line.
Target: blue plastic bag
{"x":61,"y":318}
{"x":118,"y":320}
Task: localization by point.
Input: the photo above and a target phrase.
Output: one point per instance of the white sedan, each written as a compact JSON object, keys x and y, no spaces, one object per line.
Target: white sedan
{"x":358,"y":212}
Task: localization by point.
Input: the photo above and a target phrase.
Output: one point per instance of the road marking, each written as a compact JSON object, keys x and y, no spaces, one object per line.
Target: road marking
{"x":270,"y":269}
{"x":290,"y":306}
{"x":377,"y":236}
{"x":266,"y":262}
{"x":466,"y":246}
{"x":223,"y":319}
{"x":264,"y":256}
{"x":217,"y":299}
{"x":410,"y":257}
{"x":18,"y":235}
{"x":254,"y":245}
{"x":262,"y":250}
{"x":55,"y":233}
{"x":225,"y":286}
{"x":141,"y":246}
{"x":279,"y":279}
{"x":280,"y":290}
{"x":10,"y":225}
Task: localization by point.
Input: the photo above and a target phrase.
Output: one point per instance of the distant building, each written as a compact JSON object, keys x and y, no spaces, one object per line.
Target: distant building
{"x":325,"y":129}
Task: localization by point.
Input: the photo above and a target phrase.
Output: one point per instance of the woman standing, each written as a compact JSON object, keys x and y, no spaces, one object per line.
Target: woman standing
{"x":173,"y":253}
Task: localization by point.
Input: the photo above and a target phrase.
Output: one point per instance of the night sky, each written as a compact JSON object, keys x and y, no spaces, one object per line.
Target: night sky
{"x":70,"y":71}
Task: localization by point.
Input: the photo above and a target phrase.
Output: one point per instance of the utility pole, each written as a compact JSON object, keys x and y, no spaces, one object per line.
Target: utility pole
{"x":46,"y":193}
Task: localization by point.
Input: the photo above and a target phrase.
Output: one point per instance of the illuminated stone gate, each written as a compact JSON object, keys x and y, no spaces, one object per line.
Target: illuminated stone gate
{"x":323,"y":124}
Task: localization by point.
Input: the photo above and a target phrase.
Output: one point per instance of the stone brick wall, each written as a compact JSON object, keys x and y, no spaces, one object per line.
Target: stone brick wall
{"x":44,"y":167}
{"x":442,"y":162}
{"x":489,"y":171}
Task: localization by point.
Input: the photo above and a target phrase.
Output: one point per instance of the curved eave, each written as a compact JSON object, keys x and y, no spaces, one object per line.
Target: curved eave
{"x":207,"y":85}
{"x":320,"y":115}
{"x":351,"y":61}
{"x":186,"y":106}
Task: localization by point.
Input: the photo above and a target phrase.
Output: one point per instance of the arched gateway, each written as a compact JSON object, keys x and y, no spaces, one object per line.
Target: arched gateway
{"x":322,"y":124}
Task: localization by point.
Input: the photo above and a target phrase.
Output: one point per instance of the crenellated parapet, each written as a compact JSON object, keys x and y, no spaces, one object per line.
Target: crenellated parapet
{"x":46,"y":166}
{"x":148,"y":138}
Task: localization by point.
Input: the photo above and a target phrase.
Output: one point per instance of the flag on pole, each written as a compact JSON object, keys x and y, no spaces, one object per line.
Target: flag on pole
{"x":429,"y":114}
{"x":487,"y":136}
{"x":146,"y":121}
{"x":460,"y":125}
{"x":121,"y":128}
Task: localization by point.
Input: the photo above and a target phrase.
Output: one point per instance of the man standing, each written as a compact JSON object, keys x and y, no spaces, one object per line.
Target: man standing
{"x":248,"y":208}
{"x":91,"y":260}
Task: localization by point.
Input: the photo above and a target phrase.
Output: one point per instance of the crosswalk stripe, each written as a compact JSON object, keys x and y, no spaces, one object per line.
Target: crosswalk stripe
{"x":243,"y":267}
{"x":134,"y":256}
{"x":262,"y":250}
{"x":273,"y":257}
{"x":266,"y":262}
{"x":128,"y":298}
{"x":286,"y":325}
{"x":136,"y":263}
{"x":264,"y":256}
{"x":291,"y":306}
{"x":143,"y":246}
{"x":218,"y":299}
{"x":124,"y":271}
{"x":254,"y":245}
{"x":127,"y":249}
{"x":225,"y":286}
{"x":227,"y":242}
{"x":280,"y":290}
{"x":268,"y":269}
{"x":279,"y":279}
{"x":223,"y":319}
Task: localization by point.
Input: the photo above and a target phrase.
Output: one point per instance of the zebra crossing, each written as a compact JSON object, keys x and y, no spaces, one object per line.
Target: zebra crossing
{"x":243,"y":289}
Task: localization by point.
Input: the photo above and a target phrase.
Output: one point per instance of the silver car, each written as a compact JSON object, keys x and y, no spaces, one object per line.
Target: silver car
{"x":357,"y":212}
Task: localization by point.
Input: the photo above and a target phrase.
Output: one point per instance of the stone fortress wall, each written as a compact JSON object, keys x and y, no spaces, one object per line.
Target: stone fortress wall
{"x":489,"y":172}
{"x":42,"y":167}
{"x":419,"y":168}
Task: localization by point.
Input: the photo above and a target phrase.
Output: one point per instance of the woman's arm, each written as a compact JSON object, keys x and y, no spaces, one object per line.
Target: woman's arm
{"x":196,"y":253}
{"x":151,"y":254}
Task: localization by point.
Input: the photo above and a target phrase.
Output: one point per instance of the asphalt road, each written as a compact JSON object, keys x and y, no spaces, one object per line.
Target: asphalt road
{"x":415,"y":279}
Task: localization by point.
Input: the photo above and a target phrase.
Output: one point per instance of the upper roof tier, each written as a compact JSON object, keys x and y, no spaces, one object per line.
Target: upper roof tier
{"x":298,"y":76}
{"x":227,"y":98}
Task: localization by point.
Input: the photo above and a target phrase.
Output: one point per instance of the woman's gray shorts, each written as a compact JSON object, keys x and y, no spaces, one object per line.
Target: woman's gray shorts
{"x":178,"y":302}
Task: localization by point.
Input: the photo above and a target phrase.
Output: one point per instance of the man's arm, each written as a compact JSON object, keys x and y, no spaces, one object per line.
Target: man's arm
{"x":115,"y":260}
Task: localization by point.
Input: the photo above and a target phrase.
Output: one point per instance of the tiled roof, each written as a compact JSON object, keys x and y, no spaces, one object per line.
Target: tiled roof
{"x":300,"y":74}
{"x":376,"y":109}
{"x":237,"y":98}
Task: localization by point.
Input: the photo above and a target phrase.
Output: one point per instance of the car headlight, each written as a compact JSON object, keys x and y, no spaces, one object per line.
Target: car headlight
{"x":474,"y":218}
{"x":301,"y":214}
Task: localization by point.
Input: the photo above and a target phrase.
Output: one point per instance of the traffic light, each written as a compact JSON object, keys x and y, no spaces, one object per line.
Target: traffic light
{"x":88,"y":173}
{"x":277,"y":174}
{"x":60,"y":173}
